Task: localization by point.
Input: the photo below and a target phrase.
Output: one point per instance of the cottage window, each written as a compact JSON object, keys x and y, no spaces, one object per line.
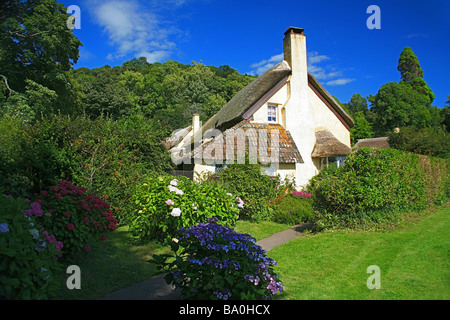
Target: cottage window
{"x":272,"y":113}
{"x":327,"y":161}
{"x":219,"y":167}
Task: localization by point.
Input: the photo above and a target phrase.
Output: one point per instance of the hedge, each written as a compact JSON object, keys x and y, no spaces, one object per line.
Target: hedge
{"x":376,"y":183}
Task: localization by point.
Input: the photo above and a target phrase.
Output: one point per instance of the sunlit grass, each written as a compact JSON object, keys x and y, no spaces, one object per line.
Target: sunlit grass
{"x":414,"y":263}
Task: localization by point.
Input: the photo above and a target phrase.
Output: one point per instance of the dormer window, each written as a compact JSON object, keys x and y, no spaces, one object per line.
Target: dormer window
{"x":272,"y":113}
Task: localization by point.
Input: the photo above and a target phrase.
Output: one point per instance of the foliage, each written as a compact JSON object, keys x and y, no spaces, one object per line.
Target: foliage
{"x":107,"y":157}
{"x":216,"y":263}
{"x":397,"y":104}
{"x":293,"y":209}
{"x":373,"y":185}
{"x":257,"y":190}
{"x":409,"y":65}
{"x":169,"y":92}
{"x":76,"y":219}
{"x":362,"y":128}
{"x":37,"y":46}
{"x":163,"y":204}
{"x":427,"y":141}
{"x":27,"y":264}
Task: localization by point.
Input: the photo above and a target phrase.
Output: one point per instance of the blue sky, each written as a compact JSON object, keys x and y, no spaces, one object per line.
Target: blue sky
{"x":343,"y":53}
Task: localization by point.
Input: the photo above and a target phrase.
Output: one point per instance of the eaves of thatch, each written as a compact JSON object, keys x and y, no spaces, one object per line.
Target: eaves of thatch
{"x":327,"y":145}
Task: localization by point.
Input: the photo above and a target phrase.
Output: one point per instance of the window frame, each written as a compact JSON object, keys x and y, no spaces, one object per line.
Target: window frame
{"x":270,"y":117}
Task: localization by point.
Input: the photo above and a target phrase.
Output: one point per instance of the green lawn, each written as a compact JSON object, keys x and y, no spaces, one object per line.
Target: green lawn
{"x":111,"y":265}
{"x":414,"y":263}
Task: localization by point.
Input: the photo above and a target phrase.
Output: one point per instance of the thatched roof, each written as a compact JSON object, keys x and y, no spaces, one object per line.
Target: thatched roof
{"x":233,"y":112}
{"x":176,"y":137}
{"x":328,"y":145}
{"x":380,"y":142}
{"x":287,"y":150}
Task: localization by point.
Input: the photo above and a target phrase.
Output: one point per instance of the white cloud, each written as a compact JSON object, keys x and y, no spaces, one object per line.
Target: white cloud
{"x":321,"y":72}
{"x":315,"y":57}
{"x":339,"y":82}
{"x":133,"y":30}
{"x":324,"y":72}
{"x":264,"y":65}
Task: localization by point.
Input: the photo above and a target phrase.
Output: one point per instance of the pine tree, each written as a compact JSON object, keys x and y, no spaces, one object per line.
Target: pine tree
{"x":412,"y":74}
{"x":409,"y":65}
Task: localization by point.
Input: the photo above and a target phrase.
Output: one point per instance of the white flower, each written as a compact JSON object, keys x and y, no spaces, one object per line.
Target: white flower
{"x":172,"y":188}
{"x":176,"y":212}
{"x":175,"y":240}
{"x":229,"y":194}
{"x":174,"y":182}
{"x":179,"y":192}
{"x":194,"y":206}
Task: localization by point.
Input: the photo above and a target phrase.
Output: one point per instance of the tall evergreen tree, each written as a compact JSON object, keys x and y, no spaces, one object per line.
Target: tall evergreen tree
{"x":412,"y":74}
{"x":409,"y":65}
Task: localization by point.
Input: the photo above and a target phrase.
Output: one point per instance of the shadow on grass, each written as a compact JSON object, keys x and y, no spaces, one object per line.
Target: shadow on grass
{"x":113,"y":264}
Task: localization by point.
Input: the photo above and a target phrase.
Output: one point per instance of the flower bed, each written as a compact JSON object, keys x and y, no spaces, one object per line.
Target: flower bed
{"x":74,"y":218}
{"x":213,"y":261}
{"x":165,"y":203}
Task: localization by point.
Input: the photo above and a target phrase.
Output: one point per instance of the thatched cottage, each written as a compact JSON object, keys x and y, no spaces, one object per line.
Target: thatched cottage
{"x":284,"y":120}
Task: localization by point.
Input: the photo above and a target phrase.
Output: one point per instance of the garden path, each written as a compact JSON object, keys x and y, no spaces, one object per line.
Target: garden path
{"x":157,"y":289}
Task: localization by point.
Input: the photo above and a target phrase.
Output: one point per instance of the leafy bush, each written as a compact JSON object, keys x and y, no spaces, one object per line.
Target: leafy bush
{"x":73,"y":217}
{"x":106,"y":157}
{"x":165,"y":203}
{"x":374,"y":184}
{"x":427,"y":141}
{"x":215,"y":262}
{"x":27,"y":266}
{"x":293,"y":209}
{"x":256,"y":189}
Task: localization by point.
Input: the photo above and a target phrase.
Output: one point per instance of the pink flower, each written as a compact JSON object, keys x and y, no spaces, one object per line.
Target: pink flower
{"x":86,"y":248}
{"x":103,"y":238}
{"x":86,"y":220}
{"x":169,"y":202}
{"x":67,"y":214}
{"x":70,"y":226}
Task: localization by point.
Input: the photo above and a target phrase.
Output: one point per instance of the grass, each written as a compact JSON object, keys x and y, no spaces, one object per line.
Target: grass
{"x":111,"y":265}
{"x":119,"y":262}
{"x":414,"y":263}
{"x":260,"y":230}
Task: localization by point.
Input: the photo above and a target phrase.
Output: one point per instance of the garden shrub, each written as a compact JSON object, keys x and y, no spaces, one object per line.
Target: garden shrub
{"x":375,"y":184}
{"x":216,"y":263}
{"x":76,"y":219}
{"x":106,"y":157}
{"x":256,"y":189}
{"x":165,"y":203}
{"x":293,"y":208}
{"x":28,"y":269}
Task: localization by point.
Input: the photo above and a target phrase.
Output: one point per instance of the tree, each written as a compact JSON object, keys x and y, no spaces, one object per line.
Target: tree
{"x":412,"y":74}
{"x":362,"y":128}
{"x":37,"y":45}
{"x":357,"y":103}
{"x":409,"y":65}
{"x":397,"y":104}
